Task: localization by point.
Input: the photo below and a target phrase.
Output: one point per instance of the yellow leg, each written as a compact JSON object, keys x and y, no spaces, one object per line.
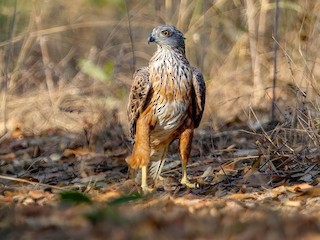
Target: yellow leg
{"x":144,"y":177}
{"x":184,"y":179}
{"x":144,"y":184}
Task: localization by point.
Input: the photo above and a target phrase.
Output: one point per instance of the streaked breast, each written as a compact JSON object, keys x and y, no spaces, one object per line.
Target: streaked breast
{"x":172,"y":84}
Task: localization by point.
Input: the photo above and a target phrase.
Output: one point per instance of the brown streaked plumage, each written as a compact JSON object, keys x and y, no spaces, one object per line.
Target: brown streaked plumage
{"x":166,"y":102}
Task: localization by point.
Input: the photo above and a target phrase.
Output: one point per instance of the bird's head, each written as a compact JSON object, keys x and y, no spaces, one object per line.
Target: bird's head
{"x":167,"y":35}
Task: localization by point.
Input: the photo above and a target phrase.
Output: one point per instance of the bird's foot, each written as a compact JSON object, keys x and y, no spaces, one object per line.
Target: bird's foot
{"x":146,"y":189}
{"x":187,"y":183}
{"x":160,"y":179}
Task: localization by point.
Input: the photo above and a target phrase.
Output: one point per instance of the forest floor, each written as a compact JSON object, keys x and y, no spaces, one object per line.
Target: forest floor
{"x":250,"y":186}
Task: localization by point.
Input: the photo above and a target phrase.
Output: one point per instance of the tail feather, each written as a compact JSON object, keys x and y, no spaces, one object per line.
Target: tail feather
{"x":155,"y":168}
{"x":157,"y":162}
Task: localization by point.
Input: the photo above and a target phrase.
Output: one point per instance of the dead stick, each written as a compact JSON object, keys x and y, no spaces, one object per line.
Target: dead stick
{"x":29,"y":182}
{"x":275,"y":60}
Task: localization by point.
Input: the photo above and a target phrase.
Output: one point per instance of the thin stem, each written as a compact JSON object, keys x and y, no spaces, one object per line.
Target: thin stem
{"x":131,"y":39}
{"x":45,"y":53}
{"x":275,"y":61}
{"x":6,"y":69}
{"x":255,"y":56}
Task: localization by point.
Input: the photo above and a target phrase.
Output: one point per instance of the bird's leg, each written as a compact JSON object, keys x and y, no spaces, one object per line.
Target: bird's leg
{"x":144,"y":185}
{"x":185,"y":148}
{"x":141,"y":151}
{"x":140,"y":156}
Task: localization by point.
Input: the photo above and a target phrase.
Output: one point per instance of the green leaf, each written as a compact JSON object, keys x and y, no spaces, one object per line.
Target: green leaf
{"x":111,"y":211}
{"x":92,"y":70}
{"x":106,"y":213}
{"x":74,"y":197}
{"x":125,"y":199}
{"x":108,"y":68}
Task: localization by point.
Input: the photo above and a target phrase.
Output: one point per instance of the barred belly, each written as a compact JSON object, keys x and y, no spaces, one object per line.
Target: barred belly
{"x":170,"y":116}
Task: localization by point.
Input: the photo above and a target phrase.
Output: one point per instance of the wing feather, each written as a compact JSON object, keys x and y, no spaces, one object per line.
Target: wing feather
{"x":199,"y":87}
{"x":138,"y":98}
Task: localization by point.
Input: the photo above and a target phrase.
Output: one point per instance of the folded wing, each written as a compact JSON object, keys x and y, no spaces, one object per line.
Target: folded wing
{"x":138,"y":98}
{"x":199,"y":87}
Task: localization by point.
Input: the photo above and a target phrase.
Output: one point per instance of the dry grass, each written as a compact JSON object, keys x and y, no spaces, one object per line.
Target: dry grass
{"x":231,"y":41}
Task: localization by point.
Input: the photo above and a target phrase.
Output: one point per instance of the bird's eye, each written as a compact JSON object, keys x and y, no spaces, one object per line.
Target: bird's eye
{"x":165,"y":33}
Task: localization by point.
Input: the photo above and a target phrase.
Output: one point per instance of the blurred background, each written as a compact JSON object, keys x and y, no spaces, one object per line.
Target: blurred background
{"x":68,"y":65}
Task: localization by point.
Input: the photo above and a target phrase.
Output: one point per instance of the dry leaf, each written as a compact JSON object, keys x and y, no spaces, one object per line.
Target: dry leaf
{"x":242,"y":196}
{"x":291,"y":203}
{"x":35,"y":194}
{"x":311,"y":192}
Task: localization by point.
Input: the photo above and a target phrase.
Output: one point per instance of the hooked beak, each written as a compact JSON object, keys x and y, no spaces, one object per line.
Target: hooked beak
{"x":151,"y":39}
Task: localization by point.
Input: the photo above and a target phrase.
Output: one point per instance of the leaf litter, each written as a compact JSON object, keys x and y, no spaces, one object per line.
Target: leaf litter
{"x":250,"y":186}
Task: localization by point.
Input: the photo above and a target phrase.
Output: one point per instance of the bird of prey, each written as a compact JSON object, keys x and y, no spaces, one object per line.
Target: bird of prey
{"x":166,"y":102}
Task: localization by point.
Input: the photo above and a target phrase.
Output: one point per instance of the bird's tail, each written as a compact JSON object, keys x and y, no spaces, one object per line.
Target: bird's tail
{"x":157,"y":162}
{"x":156,"y":168}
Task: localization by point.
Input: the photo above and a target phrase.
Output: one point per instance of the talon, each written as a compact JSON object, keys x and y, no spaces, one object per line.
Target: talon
{"x":188,"y":184}
{"x":144,"y":185}
{"x":146,"y":189}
